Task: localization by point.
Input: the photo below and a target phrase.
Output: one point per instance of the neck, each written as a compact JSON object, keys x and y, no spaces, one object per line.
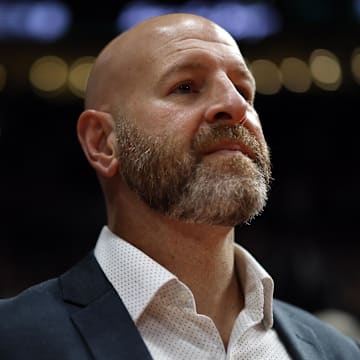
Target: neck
{"x":201,"y":256}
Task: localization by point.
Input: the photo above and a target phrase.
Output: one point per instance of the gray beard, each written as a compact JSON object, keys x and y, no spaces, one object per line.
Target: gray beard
{"x":219,"y":197}
{"x":179,"y":184}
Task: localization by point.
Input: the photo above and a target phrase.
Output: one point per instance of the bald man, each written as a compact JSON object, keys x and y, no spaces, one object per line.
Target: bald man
{"x":170,"y":128}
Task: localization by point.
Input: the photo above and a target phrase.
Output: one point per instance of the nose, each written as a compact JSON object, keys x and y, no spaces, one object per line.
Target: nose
{"x":229,"y":106}
{"x":226,"y":103}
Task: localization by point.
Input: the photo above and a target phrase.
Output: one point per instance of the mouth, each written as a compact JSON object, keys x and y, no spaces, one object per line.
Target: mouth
{"x":229,"y":148}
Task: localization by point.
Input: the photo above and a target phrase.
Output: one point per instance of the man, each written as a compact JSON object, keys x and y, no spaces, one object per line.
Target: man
{"x":171,"y":131}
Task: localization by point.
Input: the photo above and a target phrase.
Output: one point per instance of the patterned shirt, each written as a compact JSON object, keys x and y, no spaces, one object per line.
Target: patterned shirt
{"x":164,"y":310}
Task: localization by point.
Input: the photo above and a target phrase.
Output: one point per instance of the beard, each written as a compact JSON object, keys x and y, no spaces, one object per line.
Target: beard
{"x":177,"y":182}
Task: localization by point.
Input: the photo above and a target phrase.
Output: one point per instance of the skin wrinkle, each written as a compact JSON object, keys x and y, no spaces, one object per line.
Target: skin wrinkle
{"x":97,"y":94}
{"x":188,"y":65}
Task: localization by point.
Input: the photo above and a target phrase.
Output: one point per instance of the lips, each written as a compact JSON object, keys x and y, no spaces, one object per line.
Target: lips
{"x":229,"y":146}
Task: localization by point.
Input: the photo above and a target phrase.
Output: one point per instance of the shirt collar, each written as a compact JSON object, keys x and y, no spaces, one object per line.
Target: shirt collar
{"x":137,"y":278}
{"x":258,"y":287}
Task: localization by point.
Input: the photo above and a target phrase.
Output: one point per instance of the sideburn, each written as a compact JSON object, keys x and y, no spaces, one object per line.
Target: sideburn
{"x":157,"y":169}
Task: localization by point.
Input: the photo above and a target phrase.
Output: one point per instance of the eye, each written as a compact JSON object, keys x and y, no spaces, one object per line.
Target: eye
{"x":184,"y":88}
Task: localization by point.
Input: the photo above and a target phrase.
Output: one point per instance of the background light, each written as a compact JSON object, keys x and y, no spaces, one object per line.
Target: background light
{"x":243,"y":21}
{"x":296,"y":75}
{"x":2,"y":77}
{"x":79,"y":73}
{"x":41,"y":21}
{"x":357,"y":8}
{"x":48,"y":74}
{"x":267,"y":76}
{"x":325,"y":69}
{"x":355,"y":64}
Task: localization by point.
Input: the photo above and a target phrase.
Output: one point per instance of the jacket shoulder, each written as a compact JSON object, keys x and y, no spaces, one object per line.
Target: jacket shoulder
{"x":292,"y":319}
{"x":32,"y":303}
{"x":36,"y":324}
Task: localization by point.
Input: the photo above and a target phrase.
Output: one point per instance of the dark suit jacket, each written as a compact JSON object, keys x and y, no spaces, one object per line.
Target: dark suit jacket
{"x":79,"y":316}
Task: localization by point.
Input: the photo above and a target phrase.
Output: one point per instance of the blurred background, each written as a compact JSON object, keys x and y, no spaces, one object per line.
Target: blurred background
{"x":305,"y":56}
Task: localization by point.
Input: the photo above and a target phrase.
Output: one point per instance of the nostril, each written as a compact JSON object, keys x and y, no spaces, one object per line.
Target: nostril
{"x":222,"y":115}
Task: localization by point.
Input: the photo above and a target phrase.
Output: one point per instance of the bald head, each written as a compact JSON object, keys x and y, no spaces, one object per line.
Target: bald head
{"x":153,"y":93}
{"x":129,"y":55}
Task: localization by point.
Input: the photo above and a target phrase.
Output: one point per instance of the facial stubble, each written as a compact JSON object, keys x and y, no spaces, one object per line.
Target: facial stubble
{"x":179,"y":183}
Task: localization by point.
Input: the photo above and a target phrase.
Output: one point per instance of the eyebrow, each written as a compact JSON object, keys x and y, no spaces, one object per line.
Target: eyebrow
{"x":187,"y":65}
{"x":181,"y":67}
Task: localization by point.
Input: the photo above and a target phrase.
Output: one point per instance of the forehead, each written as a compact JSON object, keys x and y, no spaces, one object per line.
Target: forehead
{"x":196,"y":46}
{"x":145,"y":55}
{"x":177,"y":40}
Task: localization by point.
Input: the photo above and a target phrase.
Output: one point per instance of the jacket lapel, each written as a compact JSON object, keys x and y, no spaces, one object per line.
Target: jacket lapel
{"x":299,"y":339}
{"x":108,"y":330}
{"x":99,"y":314}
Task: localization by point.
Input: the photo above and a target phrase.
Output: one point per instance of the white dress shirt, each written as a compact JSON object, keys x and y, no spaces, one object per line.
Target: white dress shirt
{"x":164,"y":310}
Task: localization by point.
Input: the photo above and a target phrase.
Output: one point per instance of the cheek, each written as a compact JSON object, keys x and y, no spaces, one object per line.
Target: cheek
{"x":254,"y":125}
{"x":151,"y":119}
{"x":159,"y":117}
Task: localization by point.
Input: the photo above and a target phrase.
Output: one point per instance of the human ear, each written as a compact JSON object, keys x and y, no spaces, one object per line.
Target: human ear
{"x":95,"y":130}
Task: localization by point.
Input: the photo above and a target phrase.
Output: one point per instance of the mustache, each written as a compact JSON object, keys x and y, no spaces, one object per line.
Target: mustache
{"x":211,"y":136}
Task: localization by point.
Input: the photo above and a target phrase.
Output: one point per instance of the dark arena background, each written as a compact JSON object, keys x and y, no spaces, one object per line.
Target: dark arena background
{"x":305,"y":56}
